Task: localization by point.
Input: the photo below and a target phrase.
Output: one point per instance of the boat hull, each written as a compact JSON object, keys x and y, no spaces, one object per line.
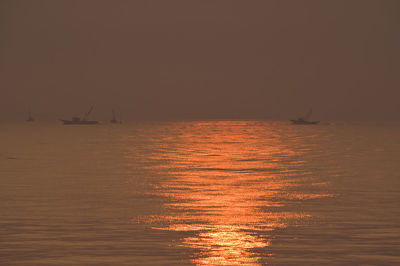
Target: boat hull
{"x":302,"y":122}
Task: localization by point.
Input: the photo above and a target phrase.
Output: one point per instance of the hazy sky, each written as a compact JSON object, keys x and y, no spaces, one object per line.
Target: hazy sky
{"x":200,"y":59}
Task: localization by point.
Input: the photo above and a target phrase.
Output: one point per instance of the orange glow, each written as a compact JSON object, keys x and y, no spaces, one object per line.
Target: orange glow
{"x":224,"y":182}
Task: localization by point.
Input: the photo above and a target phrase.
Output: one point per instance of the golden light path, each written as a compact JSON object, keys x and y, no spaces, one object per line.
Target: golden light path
{"x":228,"y":183}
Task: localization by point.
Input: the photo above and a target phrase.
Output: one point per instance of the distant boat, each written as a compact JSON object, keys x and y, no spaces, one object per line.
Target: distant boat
{"x":114,"y":118}
{"x":30,"y":117}
{"x":80,"y":121}
{"x":304,"y":120}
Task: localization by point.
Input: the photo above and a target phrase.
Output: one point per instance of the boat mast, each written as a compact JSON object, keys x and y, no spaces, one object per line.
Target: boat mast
{"x":85,"y":117}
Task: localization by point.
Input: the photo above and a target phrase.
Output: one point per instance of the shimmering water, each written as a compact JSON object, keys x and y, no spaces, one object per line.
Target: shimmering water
{"x":205,"y":193}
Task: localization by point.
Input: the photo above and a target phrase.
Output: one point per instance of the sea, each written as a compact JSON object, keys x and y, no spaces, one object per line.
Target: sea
{"x":200,"y":193}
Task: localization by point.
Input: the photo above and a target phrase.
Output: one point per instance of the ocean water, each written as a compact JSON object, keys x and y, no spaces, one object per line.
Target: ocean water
{"x":200,"y":193}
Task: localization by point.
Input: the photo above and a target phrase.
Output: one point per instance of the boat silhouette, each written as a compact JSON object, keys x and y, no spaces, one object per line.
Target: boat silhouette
{"x":304,"y":120}
{"x":113,"y":118}
{"x":81,"y":121}
{"x":30,"y":117}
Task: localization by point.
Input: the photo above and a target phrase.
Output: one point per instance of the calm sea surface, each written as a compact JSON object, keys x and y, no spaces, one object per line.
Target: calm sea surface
{"x":202,"y":193}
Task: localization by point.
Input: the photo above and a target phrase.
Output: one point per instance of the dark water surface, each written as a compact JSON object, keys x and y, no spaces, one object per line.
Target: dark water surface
{"x":203,"y":193}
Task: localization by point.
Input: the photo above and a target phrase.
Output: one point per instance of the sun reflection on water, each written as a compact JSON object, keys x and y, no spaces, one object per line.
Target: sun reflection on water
{"x":228,"y":183}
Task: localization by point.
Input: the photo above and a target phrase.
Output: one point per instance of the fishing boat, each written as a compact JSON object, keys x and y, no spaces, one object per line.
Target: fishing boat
{"x":81,"y":121}
{"x":304,"y":120}
{"x":30,"y":117}
{"x":113,"y":118}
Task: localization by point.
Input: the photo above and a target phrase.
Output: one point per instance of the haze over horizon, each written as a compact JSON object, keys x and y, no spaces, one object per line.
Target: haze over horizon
{"x":203,"y":59}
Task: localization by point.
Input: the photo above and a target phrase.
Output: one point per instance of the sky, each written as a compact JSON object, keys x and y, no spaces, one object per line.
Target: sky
{"x":156,"y":60}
